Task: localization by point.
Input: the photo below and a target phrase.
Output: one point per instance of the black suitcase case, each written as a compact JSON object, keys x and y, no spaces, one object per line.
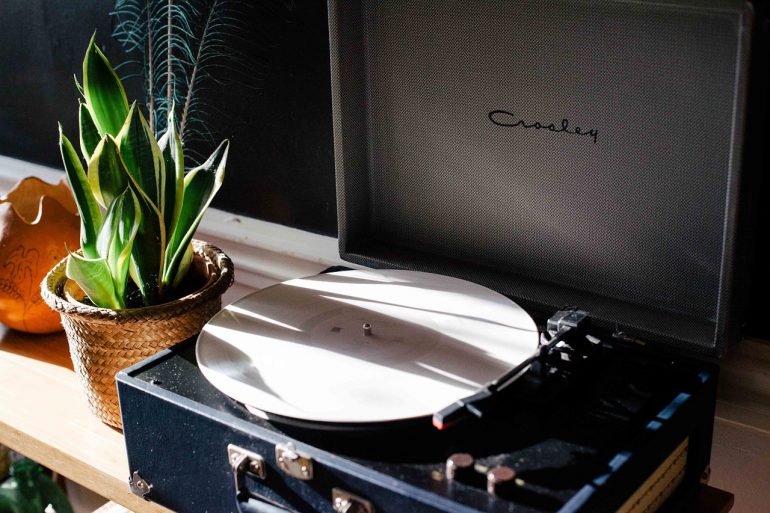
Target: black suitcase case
{"x":598,"y":451}
{"x":559,"y":152}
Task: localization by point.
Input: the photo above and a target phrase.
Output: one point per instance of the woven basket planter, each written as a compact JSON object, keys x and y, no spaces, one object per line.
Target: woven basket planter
{"x":103,"y":342}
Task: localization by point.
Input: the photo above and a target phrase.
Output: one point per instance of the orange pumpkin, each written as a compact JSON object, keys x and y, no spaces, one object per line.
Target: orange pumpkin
{"x":37,"y":219}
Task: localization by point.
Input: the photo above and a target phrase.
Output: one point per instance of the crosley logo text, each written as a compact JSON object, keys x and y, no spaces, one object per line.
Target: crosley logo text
{"x":507,"y":119}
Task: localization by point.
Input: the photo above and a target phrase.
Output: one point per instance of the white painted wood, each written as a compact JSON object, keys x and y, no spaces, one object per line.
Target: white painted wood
{"x":12,"y":170}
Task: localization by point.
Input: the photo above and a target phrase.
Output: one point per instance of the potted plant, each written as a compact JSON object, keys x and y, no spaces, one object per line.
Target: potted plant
{"x":139,"y":283}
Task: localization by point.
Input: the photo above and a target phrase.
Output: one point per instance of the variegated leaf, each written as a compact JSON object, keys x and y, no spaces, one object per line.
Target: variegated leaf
{"x":90,"y":215}
{"x":200,"y":186}
{"x":103,"y":91}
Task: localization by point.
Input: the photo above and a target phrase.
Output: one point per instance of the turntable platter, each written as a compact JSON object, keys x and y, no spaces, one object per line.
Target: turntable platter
{"x":355,"y":347}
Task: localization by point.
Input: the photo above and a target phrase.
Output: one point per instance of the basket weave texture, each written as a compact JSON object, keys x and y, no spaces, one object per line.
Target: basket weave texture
{"x":102,"y":342}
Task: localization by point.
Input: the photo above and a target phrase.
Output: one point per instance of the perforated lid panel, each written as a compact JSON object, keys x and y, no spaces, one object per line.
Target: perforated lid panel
{"x":561,"y":152}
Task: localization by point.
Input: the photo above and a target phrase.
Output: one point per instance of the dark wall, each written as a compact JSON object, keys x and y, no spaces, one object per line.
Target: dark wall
{"x":757,"y":179}
{"x":276,"y":109}
{"x":41,"y":47}
{"x":273,"y":102}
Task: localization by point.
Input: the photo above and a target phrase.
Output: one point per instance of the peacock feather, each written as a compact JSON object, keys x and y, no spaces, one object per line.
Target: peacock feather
{"x":177,"y":47}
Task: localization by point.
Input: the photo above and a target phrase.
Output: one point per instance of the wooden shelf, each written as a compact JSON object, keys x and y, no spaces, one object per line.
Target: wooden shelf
{"x":44,"y":416}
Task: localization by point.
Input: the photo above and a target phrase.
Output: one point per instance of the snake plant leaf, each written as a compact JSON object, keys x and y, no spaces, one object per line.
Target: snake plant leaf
{"x":103,"y":91}
{"x":89,"y":134}
{"x":141,"y":154}
{"x":90,"y":215}
{"x":131,"y":220}
{"x":147,"y":254}
{"x":116,"y":238}
{"x":200,"y":186}
{"x":148,"y":251}
{"x":109,"y":229}
{"x":93,"y":276}
{"x":144,"y":165}
{"x":107,"y":175}
{"x":78,"y":86}
{"x":184,"y":265}
{"x":173,"y":177}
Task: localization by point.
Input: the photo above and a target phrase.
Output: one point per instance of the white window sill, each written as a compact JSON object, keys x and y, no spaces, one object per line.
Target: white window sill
{"x":264,"y":253}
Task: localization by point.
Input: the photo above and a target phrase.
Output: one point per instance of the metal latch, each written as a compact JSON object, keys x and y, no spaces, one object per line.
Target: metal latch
{"x":294,"y":463}
{"x":244,"y":462}
{"x":346,"y":502}
{"x":706,"y":475}
{"x":139,"y":486}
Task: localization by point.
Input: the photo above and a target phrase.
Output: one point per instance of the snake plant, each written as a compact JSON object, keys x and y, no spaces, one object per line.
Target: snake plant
{"x":138,"y":207}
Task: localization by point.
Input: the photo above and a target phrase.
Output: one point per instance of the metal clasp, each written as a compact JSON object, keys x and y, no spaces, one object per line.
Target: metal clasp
{"x":346,"y":502}
{"x":294,"y":463}
{"x":244,"y":462}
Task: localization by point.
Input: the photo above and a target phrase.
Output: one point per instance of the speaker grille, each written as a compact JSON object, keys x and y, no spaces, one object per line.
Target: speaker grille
{"x":589,"y":146}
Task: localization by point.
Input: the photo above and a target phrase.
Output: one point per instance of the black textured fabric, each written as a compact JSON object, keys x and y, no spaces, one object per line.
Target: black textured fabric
{"x":559,"y":151}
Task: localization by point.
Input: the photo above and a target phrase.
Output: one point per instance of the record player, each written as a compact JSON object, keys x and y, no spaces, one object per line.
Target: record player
{"x":550,"y":258}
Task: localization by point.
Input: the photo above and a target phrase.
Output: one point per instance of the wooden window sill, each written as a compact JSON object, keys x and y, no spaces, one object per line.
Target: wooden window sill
{"x":44,"y":415}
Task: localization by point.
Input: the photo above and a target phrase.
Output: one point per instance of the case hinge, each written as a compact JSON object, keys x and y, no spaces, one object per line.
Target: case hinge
{"x":139,"y":486}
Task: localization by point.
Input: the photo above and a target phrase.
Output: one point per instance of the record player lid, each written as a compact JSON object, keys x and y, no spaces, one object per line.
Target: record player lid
{"x":561,"y":152}
{"x":360,"y":347}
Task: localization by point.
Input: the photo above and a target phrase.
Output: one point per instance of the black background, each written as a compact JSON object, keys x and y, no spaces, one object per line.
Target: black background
{"x":275,"y":106}
{"x":276,"y":110}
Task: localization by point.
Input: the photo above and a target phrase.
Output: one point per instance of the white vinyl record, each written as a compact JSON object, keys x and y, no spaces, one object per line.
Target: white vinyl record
{"x":363,"y":346}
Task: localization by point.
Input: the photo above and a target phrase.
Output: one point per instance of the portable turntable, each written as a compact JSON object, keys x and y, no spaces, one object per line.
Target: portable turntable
{"x":552,"y":263}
